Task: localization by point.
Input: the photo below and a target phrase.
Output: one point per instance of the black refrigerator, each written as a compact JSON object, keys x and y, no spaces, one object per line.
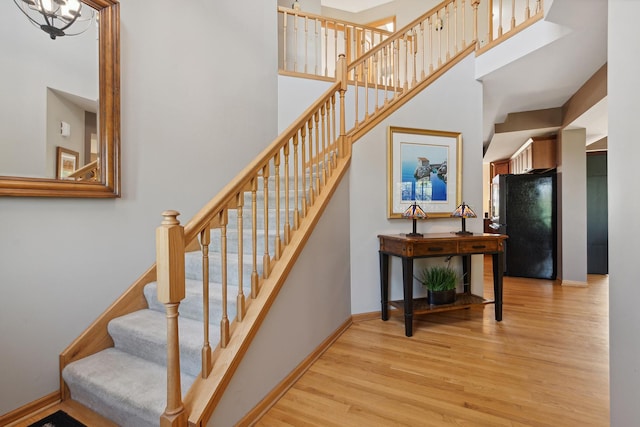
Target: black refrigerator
{"x":524,"y":207}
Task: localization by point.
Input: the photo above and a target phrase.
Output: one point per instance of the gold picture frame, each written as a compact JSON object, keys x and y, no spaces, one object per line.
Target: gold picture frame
{"x":423,"y":167}
{"x":66,"y":162}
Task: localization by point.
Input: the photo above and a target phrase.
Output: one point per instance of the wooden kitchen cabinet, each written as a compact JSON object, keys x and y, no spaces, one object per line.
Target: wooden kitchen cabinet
{"x":536,"y":154}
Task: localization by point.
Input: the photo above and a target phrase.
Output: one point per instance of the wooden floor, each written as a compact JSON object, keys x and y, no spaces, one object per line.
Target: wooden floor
{"x":545,"y":364}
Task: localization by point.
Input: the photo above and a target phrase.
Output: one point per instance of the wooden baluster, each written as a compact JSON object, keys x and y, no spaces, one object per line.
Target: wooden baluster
{"x":295,"y":42}
{"x":224,"y":322}
{"x":334,"y":148}
{"x":317,"y":53}
{"x":439,"y":30}
{"x":374,"y":79}
{"x":423,"y":52}
{"x":538,"y":6}
{"x":326,"y":48}
{"x":464,"y":25}
{"x":414,"y":48}
{"x":171,"y":290}
{"x":475,"y":22}
{"x":287,"y":225}
{"x":240,"y":304}
{"x":326,"y":166}
{"x":513,"y":14}
{"x":278,"y":243}
{"x":284,"y":40}
{"x":366,"y":87}
{"x":430,"y":45}
{"x":319,"y":168}
{"x":527,"y":12}
{"x":207,"y":362}
{"x":447,"y":20}
{"x":255,"y":281}
{"x":396,"y":71}
{"x":306,"y":43}
{"x":266,"y":258}
{"x":303,"y":149}
{"x":296,"y":189}
{"x":310,"y":163}
{"x":335,"y":41}
{"x":405,"y":39}
{"x":356,"y":92}
{"x":455,"y":28}
{"x":385,"y":56}
{"x":500,"y":19}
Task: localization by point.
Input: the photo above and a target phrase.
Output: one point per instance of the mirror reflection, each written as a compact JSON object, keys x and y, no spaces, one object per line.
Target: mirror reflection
{"x":60,"y":103}
{"x":50,"y":97}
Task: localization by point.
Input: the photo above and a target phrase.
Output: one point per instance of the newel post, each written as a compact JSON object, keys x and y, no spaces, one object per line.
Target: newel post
{"x":341,"y":76}
{"x":170,"y":271}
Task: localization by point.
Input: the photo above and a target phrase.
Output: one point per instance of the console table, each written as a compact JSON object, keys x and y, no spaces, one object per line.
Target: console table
{"x":438,"y":245}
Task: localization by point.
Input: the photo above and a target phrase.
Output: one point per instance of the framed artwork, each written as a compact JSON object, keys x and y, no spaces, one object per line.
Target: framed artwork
{"x":67,"y":162}
{"x":423,"y":166}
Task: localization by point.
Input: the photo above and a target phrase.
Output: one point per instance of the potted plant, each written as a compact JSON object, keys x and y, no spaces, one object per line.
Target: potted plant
{"x":440,"y":283}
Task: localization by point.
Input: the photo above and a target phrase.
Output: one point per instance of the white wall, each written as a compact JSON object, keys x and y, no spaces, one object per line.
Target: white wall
{"x":624,"y":292}
{"x":452,"y":103}
{"x":199,"y":100}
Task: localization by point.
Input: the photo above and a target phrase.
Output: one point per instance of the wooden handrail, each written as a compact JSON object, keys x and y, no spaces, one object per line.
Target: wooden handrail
{"x":92,"y":168}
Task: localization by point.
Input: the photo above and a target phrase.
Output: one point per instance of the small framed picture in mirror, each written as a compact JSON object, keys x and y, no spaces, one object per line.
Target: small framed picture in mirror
{"x":67,"y":162}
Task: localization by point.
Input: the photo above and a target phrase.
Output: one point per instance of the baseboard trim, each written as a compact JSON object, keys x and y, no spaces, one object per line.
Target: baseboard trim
{"x":274,"y":395}
{"x":361,"y":317}
{"x":574,"y":284}
{"x":30,"y":408}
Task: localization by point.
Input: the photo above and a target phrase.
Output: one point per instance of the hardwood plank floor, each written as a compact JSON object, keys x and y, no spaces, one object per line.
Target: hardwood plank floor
{"x":545,"y":364}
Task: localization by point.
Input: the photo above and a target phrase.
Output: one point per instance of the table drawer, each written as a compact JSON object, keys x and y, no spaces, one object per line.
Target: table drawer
{"x":434,"y":248}
{"x":479,"y":246}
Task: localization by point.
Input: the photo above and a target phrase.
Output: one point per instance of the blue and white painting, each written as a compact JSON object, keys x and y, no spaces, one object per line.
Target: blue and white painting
{"x":424,"y":172}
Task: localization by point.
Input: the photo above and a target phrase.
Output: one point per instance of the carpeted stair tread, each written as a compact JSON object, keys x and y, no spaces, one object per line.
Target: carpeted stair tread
{"x":143,"y":333}
{"x":124,"y":388}
{"x":191,"y":305}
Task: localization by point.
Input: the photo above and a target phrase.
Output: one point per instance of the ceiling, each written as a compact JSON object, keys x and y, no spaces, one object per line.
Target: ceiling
{"x":545,"y":78}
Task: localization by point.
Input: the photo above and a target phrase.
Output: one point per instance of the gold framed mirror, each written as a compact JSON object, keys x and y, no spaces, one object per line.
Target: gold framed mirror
{"x":105,"y":178}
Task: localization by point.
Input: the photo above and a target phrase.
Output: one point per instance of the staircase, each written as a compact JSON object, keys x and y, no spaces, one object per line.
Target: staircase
{"x":127,"y":383}
{"x":236,"y":252}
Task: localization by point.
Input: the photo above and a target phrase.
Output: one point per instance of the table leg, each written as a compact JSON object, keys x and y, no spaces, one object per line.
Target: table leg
{"x":466,"y":273}
{"x":384,"y":285}
{"x":498,"y":272}
{"x":407,"y":284}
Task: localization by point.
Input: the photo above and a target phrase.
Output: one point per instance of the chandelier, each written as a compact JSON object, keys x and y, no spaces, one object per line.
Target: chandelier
{"x":54,"y":17}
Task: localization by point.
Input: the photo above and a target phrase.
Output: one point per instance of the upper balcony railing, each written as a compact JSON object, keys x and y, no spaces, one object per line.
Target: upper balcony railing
{"x":311,"y":44}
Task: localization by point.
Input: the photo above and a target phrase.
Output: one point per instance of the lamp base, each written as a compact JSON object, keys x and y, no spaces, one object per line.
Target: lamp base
{"x":462,"y":233}
{"x":414,"y":235}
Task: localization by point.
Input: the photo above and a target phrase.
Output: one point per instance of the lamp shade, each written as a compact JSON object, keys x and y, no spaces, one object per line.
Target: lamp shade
{"x":414,"y":212}
{"x":463,"y":211}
